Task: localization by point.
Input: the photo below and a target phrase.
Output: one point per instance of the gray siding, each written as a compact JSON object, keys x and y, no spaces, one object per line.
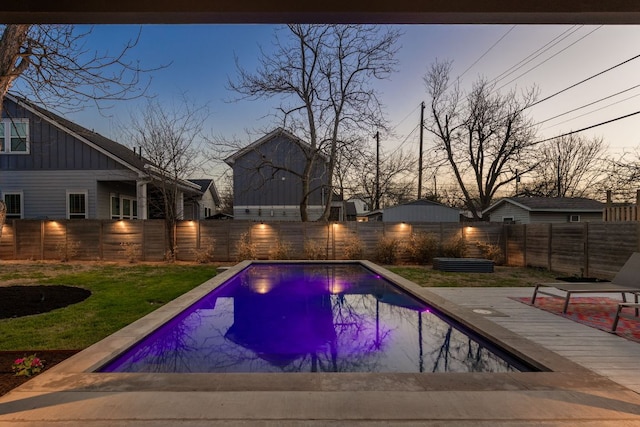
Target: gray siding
{"x":522,"y":216}
{"x":45,"y":192}
{"x":544,"y":217}
{"x":508,"y":210}
{"x":259,"y":181}
{"x":275,"y":213}
{"x":52,"y":149}
{"x":420,"y":213}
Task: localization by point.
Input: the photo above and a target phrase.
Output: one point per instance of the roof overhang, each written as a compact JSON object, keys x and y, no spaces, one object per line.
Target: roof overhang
{"x":330,"y":11}
{"x":65,"y":129}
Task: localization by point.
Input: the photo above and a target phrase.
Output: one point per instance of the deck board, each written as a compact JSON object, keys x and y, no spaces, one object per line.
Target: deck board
{"x":609,"y":355}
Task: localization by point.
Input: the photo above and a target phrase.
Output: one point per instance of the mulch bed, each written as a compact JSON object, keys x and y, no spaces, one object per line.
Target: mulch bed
{"x":17,"y":301}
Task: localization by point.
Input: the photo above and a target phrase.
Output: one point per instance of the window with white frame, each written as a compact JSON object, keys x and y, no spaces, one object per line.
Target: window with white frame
{"x":14,"y":136}
{"x":13,"y":202}
{"x":77,"y":205}
{"x":123,"y":207}
{"x":574,"y":218}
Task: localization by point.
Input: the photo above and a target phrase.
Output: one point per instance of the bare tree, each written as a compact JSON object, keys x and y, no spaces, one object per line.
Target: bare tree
{"x":397,"y":183}
{"x":171,"y":138}
{"x":324,"y":75}
{"x":570,"y":166}
{"x":622,"y":177}
{"x":484,"y":135}
{"x":52,"y":64}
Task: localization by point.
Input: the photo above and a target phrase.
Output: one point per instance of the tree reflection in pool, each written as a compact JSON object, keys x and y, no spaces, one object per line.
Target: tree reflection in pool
{"x":311,"y":318}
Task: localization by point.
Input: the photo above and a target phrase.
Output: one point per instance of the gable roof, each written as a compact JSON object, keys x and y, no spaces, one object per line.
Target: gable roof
{"x":551,"y":204}
{"x":422,"y":202}
{"x":120,"y":153}
{"x":208,"y":185}
{"x":268,"y":137}
{"x":116,"y":151}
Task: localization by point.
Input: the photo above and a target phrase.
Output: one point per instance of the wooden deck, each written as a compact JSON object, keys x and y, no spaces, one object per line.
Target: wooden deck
{"x":607,"y":354}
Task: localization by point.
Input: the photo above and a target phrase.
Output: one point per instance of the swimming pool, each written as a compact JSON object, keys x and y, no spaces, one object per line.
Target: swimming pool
{"x":312,"y":317}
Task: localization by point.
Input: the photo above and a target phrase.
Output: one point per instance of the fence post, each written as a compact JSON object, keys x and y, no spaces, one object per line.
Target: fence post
{"x":549,"y":246}
{"x":524,"y":244}
{"x":42,"y":239}
{"x":585,"y":250}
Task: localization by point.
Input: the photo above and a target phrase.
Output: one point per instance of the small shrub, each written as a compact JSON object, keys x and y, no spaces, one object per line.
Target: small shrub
{"x":131,"y":251}
{"x":492,"y":252}
{"x":353,"y":248}
{"x":27,"y":366}
{"x":245,"y":249}
{"x":204,"y":255}
{"x":454,"y":247}
{"x":421,"y":247}
{"x":68,"y":250}
{"x":280,"y":250}
{"x":170,"y":256}
{"x":386,"y":250}
{"x":313,"y":249}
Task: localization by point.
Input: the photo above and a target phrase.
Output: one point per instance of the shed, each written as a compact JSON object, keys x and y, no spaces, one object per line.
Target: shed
{"x":527,"y":210}
{"x":421,"y":211}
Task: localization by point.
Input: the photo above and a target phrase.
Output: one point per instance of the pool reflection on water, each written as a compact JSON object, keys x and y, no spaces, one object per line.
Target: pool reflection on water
{"x":310,"y":318}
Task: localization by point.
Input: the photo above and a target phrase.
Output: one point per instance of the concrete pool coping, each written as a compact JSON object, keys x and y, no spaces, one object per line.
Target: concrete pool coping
{"x":72,"y":393}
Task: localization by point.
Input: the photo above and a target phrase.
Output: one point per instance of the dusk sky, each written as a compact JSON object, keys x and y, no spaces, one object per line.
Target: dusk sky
{"x":553,"y":57}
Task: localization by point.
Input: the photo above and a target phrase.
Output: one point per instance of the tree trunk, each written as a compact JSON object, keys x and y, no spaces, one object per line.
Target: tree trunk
{"x":13,"y":61}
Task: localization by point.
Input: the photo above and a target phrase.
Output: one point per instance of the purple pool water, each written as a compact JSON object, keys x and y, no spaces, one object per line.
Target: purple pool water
{"x":310,"y":318}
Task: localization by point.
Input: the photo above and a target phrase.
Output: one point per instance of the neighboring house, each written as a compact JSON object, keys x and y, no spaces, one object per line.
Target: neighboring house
{"x":421,"y":211}
{"x":362,"y":205}
{"x":527,"y":210}
{"x":267,"y":184}
{"x":53,"y":168}
{"x":206,"y":205}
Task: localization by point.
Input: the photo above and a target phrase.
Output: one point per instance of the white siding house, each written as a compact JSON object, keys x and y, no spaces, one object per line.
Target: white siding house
{"x":529,"y":210}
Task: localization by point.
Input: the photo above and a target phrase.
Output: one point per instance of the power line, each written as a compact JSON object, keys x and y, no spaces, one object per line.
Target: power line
{"x":549,"y":58}
{"x":486,"y":52}
{"x":590,"y":104}
{"x":583,"y":81}
{"x":597,"y":109}
{"x":533,"y":55}
{"x":588,"y":127}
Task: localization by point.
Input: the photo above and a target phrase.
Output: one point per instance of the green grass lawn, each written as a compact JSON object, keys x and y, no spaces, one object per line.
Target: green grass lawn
{"x":123,"y":293}
{"x":120,"y":294}
{"x":501,"y":277}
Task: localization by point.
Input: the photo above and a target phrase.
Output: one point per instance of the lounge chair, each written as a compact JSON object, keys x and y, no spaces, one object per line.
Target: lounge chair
{"x":627,"y":281}
{"x":620,"y":314}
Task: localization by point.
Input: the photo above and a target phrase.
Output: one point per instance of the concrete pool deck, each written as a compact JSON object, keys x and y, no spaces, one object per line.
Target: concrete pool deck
{"x":595,"y":381}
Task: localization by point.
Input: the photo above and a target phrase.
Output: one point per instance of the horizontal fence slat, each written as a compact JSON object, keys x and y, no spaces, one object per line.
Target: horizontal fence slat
{"x":596,"y":249}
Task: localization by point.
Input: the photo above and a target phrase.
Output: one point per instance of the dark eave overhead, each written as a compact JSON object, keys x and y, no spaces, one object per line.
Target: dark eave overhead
{"x":328,"y":11}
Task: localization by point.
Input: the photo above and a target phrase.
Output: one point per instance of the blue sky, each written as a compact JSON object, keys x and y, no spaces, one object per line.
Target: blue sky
{"x":202,"y":58}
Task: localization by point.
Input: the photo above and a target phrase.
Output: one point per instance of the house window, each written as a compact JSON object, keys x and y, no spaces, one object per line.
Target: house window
{"x":115,"y":207}
{"x":13,"y":201}
{"x":14,"y":136}
{"x":574,"y":218}
{"x":508,"y":220}
{"x":123,"y":207}
{"x":77,"y":205}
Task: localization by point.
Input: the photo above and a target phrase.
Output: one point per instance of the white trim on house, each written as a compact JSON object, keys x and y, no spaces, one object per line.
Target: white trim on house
{"x":86,"y":203}
{"x":14,"y":193}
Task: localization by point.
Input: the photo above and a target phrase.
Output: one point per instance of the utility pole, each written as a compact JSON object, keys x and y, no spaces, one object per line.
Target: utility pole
{"x":377,"y":205}
{"x":420,"y":154}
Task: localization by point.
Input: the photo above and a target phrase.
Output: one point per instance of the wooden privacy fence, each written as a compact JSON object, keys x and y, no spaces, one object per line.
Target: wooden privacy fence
{"x":145,"y":240}
{"x":588,"y":249}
